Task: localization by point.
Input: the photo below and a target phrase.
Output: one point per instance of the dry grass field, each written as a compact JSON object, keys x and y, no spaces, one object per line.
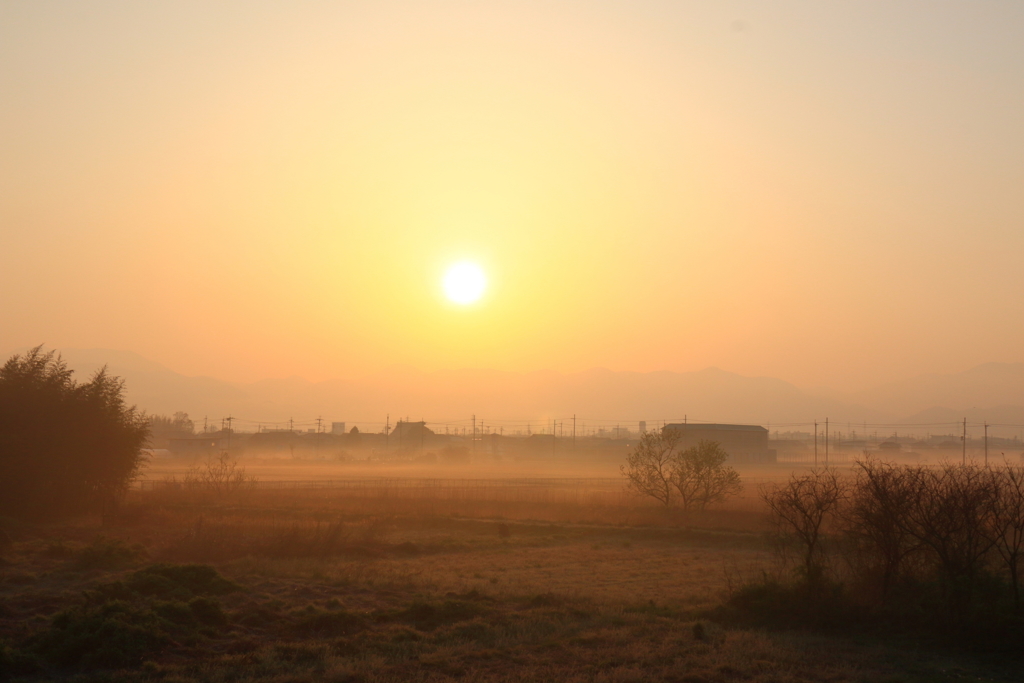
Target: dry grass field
{"x":416,"y":579}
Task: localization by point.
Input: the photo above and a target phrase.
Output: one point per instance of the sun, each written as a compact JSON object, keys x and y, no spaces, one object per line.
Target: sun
{"x":464,"y":283}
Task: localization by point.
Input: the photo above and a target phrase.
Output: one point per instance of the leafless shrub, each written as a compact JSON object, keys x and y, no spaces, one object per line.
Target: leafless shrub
{"x":221,"y":476}
{"x":950,"y":538}
{"x":950,"y":516}
{"x":1007,"y":523}
{"x":875,"y":519}
{"x":802,"y":508}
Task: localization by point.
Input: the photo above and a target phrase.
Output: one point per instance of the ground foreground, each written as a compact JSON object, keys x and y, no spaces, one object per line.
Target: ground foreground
{"x":300,"y":586}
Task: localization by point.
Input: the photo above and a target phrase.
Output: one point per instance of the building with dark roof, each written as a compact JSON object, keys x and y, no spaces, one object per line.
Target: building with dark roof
{"x":743,"y":443}
{"x":411,"y":435}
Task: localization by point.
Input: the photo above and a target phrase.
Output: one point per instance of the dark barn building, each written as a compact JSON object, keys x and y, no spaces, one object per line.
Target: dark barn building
{"x":743,"y":443}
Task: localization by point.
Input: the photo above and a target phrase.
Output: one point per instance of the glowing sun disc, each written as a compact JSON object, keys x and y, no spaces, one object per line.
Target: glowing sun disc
{"x":464,"y":283}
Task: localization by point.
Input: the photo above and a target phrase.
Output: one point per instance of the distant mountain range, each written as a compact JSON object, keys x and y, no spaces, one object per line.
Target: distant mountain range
{"x":992,"y":392}
{"x":987,"y":386}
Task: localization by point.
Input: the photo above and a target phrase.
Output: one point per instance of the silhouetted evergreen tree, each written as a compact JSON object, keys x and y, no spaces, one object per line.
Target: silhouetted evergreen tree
{"x":65,"y":447}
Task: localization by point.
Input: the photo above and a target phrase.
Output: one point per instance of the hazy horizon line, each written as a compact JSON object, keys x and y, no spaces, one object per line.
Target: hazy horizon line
{"x":818,"y":389}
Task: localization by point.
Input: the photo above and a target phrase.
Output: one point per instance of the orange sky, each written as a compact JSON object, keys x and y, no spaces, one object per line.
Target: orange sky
{"x":830,"y":194}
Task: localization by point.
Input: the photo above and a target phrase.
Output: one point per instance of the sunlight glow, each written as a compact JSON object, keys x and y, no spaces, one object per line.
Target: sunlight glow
{"x":464,"y":283}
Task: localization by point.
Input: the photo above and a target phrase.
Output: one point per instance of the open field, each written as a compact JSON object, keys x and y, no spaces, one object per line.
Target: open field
{"x":418,"y":579}
{"x":597,"y":468}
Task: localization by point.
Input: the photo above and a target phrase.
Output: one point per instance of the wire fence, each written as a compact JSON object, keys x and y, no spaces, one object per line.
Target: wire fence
{"x":377,"y":483}
{"x":577,"y":493}
{"x":610,"y":490}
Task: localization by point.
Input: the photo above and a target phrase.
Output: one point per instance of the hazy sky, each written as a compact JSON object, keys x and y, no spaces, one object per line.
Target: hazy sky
{"x":831,"y":193}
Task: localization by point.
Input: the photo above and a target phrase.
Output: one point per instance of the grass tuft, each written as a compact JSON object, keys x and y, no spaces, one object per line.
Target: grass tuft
{"x":329,"y":624}
{"x":427,"y":616}
{"x":106,"y":553}
{"x":110,"y":635}
{"x":181,"y":579}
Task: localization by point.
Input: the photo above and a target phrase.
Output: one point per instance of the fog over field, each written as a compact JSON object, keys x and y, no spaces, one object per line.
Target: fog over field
{"x":377,"y":341}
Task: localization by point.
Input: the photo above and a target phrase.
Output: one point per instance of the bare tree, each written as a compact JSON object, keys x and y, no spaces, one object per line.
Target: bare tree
{"x":951,"y":517}
{"x":701,"y":476}
{"x":1008,"y":523}
{"x":221,"y":475}
{"x":879,"y":505}
{"x":949,"y":526}
{"x":803,"y":506}
{"x":650,"y":464}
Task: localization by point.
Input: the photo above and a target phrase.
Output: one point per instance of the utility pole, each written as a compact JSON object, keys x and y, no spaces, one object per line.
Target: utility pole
{"x":473,"y":442}
{"x":964,"y":439}
{"x":815,"y":444}
{"x":986,"y":444}
{"x":826,"y":442}
{"x":318,"y":421}
{"x":291,"y":424}
{"x":574,"y":431}
{"x":229,"y":419}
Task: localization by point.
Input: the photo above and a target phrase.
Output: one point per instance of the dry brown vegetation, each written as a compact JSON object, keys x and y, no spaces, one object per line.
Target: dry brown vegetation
{"x":926,"y":549}
{"x":412,"y":580}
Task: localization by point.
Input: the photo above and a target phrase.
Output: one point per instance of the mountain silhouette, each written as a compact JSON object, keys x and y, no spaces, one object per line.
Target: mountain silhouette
{"x":991,"y":392}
